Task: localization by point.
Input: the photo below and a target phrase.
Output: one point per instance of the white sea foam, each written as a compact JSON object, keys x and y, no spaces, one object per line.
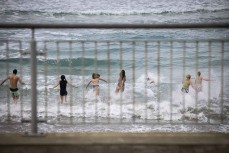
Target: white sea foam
{"x":149,"y":101}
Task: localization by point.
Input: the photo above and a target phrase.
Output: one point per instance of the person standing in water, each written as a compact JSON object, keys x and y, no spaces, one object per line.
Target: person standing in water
{"x":198,"y":81}
{"x":14,"y":79}
{"x":95,"y":83}
{"x":63,"y":85}
{"x":121,"y":82}
{"x":186,"y":83}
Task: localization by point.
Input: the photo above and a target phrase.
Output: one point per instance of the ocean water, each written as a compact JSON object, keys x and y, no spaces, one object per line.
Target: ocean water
{"x":143,"y":106}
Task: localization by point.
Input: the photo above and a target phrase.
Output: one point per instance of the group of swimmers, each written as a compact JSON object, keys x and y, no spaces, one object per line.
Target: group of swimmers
{"x":14,"y":79}
{"x":198,"y":83}
{"x":95,"y":82}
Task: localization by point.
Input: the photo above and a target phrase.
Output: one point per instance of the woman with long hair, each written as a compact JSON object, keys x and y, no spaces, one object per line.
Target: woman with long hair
{"x":121,"y":82}
{"x":63,"y":85}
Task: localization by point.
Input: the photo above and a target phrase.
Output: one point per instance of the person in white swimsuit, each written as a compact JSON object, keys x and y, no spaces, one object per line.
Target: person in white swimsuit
{"x":198,"y":81}
{"x":95,"y":83}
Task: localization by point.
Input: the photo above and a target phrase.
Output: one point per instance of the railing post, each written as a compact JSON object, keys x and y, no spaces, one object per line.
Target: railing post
{"x":33,"y":85}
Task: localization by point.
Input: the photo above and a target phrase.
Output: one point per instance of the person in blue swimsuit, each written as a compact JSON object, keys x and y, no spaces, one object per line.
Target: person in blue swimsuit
{"x":63,"y":85}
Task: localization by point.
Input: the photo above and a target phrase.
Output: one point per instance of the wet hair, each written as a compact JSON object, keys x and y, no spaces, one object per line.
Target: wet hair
{"x":15,"y":71}
{"x":122,"y":74}
{"x":188,"y":76}
{"x":93,"y":75}
{"x":97,"y":75}
{"x":63,"y":78}
{"x":198,"y":73}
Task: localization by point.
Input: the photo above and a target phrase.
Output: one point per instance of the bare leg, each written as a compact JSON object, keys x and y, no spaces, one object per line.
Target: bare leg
{"x":65,"y":98}
{"x":117,"y":90}
{"x":199,"y":88}
{"x":14,"y":98}
{"x":61,"y":98}
{"x":97,"y":91}
{"x":122,"y":90}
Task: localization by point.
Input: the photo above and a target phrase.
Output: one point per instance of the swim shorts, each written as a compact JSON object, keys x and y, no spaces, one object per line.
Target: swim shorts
{"x":14,"y":92}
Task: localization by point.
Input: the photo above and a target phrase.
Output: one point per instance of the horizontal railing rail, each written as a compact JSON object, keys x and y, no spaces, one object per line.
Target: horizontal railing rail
{"x":113,"y":26}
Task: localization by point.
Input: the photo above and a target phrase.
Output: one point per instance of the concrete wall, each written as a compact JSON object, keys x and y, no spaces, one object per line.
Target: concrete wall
{"x":116,"y":143}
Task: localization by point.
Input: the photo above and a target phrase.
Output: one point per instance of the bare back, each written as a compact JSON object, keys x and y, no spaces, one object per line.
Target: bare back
{"x":13,"y":81}
{"x":199,"y":80}
{"x":95,"y":81}
{"x":121,"y":81}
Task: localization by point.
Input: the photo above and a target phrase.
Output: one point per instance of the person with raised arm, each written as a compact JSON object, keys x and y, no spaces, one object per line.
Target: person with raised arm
{"x":63,"y":88}
{"x":198,"y":81}
{"x":95,"y":83}
{"x":186,"y":83}
{"x":14,"y":79}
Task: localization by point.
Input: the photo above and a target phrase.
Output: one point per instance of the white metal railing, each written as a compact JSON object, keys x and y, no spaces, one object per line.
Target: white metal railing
{"x":132,"y":45}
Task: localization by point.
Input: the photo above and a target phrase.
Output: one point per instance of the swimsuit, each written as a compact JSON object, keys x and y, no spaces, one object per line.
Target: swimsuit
{"x":185,"y":89}
{"x":199,"y":87}
{"x":14,"y":92}
{"x":94,"y":86}
{"x":63,"y":91}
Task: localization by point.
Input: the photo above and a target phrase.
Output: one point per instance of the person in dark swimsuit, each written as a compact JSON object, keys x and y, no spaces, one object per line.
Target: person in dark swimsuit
{"x":63,"y":85}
